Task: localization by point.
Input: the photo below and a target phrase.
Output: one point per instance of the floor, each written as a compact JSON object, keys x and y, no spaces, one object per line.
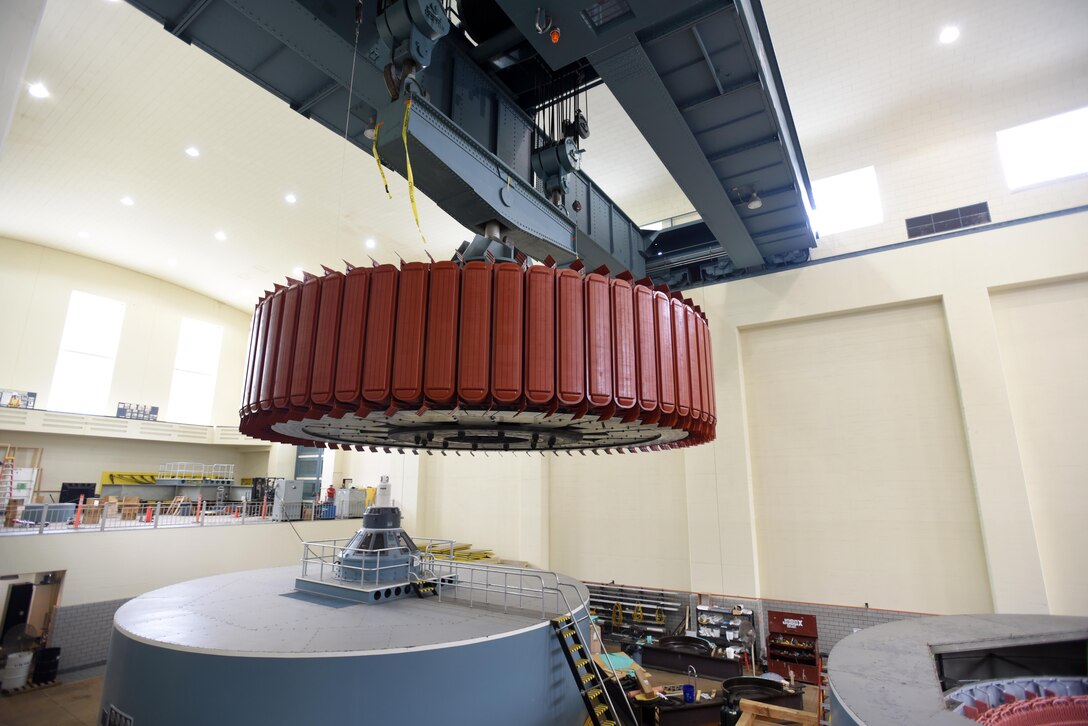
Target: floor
{"x":75,"y":701}
{"x":72,"y":703}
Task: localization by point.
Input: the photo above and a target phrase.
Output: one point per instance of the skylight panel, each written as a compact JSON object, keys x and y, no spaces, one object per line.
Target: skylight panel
{"x":1045,"y":150}
{"x":847,"y":201}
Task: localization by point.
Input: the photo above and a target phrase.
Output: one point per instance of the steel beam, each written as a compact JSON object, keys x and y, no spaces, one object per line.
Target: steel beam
{"x":186,"y":19}
{"x":317,"y":97}
{"x":706,"y":57}
{"x":631,"y":77}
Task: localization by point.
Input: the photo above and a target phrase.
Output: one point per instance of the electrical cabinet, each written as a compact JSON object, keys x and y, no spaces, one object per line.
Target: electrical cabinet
{"x":793,"y":646}
{"x":290,"y":493}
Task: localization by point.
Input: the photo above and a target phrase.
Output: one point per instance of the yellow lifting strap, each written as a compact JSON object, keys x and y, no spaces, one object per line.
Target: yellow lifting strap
{"x":637,"y":615}
{"x":617,"y":615}
{"x":378,"y":159}
{"x":408,"y":167}
{"x":659,"y":616}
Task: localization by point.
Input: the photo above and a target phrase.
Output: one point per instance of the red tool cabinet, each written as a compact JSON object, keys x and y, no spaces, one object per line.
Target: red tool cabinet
{"x":793,"y":645}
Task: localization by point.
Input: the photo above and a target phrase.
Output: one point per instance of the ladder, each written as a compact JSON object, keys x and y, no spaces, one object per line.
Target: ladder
{"x":823,"y":708}
{"x":586,"y":676}
{"x":7,"y":478}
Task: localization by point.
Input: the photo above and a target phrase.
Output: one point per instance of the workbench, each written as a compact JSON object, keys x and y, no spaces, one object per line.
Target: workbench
{"x":678,"y":661}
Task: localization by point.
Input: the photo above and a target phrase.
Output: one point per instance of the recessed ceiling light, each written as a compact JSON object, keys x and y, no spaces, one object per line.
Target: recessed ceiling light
{"x":192,"y":151}
{"x":949,"y":34}
{"x":290,"y":199}
{"x":297,"y":272}
{"x":83,"y":234}
{"x":127,"y":201}
{"x":370,"y":243}
{"x":38,"y":90}
{"x":221,"y":236}
{"x":172,"y":262}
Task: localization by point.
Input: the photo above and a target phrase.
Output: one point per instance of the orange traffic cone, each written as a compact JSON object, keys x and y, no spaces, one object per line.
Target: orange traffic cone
{"x":147,"y":517}
{"x":236,"y":512}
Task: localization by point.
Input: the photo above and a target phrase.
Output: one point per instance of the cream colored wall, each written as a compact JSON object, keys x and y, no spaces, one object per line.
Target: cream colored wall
{"x":120,"y":564}
{"x":492,"y":502}
{"x":958,"y":271}
{"x":1043,"y":333}
{"x":37,"y":284}
{"x":857,"y":437}
{"x":918,"y":501}
{"x":621,"y":517}
{"x":84,"y":458}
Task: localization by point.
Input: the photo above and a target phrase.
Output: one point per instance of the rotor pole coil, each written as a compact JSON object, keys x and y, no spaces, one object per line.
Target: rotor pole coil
{"x":480,"y":357}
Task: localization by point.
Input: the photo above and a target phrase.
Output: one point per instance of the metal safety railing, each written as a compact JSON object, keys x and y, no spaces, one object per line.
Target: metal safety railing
{"x":99,"y":516}
{"x":193,"y":471}
{"x":471,"y":584}
{"x":324,"y":561}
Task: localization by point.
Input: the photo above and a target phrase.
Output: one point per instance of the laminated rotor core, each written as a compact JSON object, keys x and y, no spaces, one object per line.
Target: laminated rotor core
{"x":478,"y":357}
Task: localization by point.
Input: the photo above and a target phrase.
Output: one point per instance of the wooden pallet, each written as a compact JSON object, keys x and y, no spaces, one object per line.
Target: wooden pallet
{"x":754,"y":713}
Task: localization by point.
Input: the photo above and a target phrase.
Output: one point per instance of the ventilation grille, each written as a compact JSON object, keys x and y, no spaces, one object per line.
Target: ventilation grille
{"x":969,"y":216}
{"x":602,"y":14}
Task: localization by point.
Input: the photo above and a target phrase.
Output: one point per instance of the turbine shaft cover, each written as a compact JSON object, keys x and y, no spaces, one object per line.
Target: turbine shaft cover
{"x":478,"y":357}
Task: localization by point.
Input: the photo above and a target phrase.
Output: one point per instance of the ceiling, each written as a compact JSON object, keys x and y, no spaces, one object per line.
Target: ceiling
{"x":127,"y":99}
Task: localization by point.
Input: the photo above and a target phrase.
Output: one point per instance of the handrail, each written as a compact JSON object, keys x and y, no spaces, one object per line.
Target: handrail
{"x":592,"y":661}
{"x":448,"y":573}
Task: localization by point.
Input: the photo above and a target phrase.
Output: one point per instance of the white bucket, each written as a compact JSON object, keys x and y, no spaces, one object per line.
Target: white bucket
{"x":16,"y":671}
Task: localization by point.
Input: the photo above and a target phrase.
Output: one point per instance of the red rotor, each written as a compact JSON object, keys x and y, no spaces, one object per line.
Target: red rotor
{"x":484,"y":356}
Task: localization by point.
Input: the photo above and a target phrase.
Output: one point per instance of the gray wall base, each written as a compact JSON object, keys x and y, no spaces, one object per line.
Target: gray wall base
{"x":82,"y":632}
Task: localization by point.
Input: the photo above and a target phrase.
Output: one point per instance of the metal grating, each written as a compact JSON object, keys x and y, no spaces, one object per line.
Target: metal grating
{"x":948,"y":220}
{"x":601,"y":14}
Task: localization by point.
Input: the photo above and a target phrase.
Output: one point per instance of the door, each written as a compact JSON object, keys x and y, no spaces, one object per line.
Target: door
{"x":18,"y":606}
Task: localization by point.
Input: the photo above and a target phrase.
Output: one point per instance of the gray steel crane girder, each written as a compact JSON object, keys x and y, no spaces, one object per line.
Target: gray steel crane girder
{"x":469,"y":143}
{"x":459,"y":174}
{"x":699,"y":80}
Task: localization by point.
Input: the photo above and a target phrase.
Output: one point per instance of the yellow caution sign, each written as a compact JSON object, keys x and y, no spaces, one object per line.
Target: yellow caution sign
{"x":408,"y":167}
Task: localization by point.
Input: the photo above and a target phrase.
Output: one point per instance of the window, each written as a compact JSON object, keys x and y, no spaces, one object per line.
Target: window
{"x":1040,"y":151}
{"x":847,"y":201}
{"x":192,"y":389}
{"x":88,"y":351}
{"x":308,"y":463}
